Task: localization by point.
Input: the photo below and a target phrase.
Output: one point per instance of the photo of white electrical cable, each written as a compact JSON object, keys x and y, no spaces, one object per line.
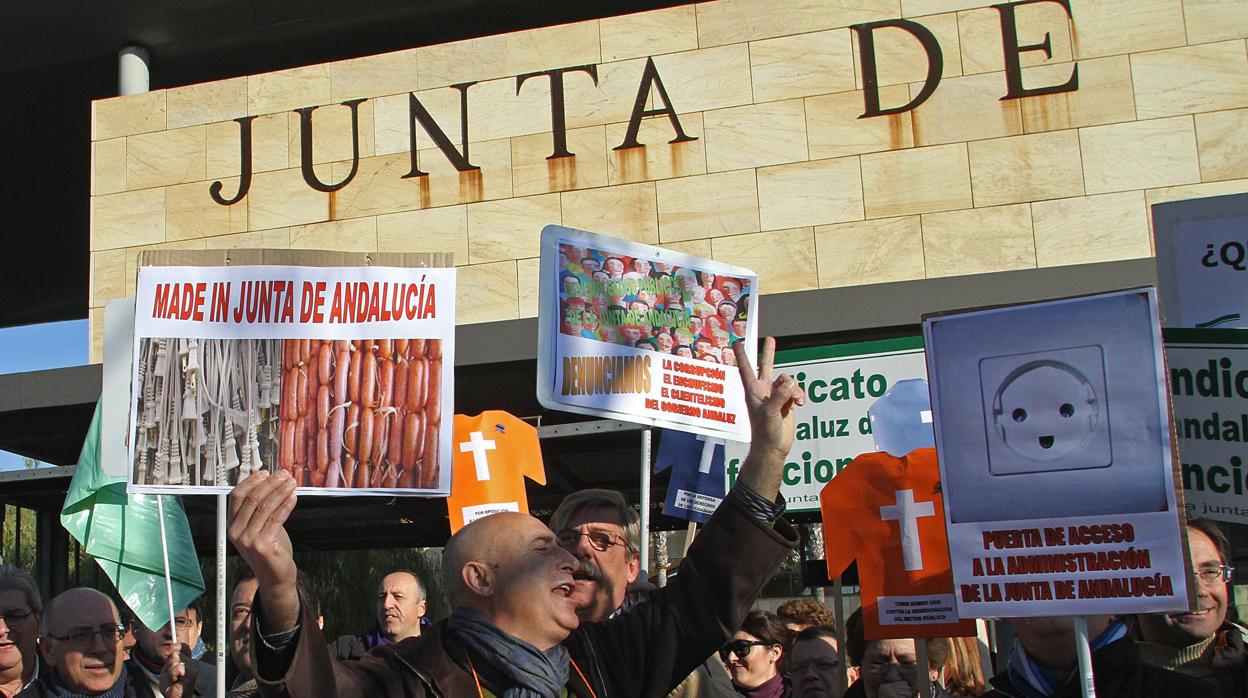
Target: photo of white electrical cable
{"x":207,"y":410}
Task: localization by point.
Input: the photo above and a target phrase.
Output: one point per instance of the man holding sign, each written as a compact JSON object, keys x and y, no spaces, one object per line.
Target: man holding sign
{"x":514,"y":629}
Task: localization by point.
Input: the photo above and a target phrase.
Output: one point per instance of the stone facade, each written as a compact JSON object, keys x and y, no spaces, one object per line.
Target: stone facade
{"x":779,"y":172}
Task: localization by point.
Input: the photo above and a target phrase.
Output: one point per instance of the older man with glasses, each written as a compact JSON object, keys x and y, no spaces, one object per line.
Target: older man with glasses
{"x":1204,"y":643}
{"x":80,"y":641}
{"x":20,"y":608}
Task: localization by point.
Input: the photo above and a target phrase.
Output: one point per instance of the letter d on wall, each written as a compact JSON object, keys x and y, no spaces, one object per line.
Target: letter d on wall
{"x":870,"y":75}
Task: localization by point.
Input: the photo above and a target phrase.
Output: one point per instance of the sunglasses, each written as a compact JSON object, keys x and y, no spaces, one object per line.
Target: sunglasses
{"x":741,"y":648}
{"x":598,"y":540}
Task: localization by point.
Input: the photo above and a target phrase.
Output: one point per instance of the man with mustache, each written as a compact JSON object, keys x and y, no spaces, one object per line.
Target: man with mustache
{"x":599,"y":528}
{"x":513,"y":630}
{"x":80,"y":641}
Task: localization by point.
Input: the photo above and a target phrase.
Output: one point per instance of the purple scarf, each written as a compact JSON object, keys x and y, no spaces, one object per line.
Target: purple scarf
{"x":771,"y":688}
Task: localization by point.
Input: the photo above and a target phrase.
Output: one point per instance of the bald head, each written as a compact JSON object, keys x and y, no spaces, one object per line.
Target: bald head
{"x":509,"y":567}
{"x":81,"y":640}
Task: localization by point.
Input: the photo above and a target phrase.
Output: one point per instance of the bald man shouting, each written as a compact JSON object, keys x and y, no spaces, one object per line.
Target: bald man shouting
{"x":514,"y":631}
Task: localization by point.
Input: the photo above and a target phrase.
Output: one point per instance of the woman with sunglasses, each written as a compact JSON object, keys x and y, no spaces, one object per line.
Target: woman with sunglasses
{"x":753,"y":656}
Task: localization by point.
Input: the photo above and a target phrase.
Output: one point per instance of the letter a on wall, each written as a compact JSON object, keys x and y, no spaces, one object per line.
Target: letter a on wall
{"x":890,"y":517}
{"x":493,"y":453}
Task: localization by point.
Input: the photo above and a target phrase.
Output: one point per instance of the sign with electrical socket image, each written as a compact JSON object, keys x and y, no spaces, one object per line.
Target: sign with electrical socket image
{"x":1053,"y":434}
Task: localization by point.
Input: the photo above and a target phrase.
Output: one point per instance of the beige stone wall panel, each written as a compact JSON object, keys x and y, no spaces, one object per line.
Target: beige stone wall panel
{"x":191,"y":213}
{"x":917,"y":8}
{"x":783,"y":259}
{"x":108,"y":166}
{"x":373,"y":76}
{"x":486,"y":293}
{"x":506,"y":55}
{"x":390,"y":128}
{"x":810,"y":193}
{"x":95,"y":322}
{"x":628,"y":211}
{"x":127,"y":219}
{"x":331,"y":133}
{"x":281,"y":199}
{"x":755,"y":135}
{"x":1222,"y":138}
{"x":1215,"y":20}
{"x":979,"y":240}
{"x":270,"y":146}
{"x":700,"y":248}
{"x":126,"y":116}
{"x":834,"y":129}
{"x":802,"y":65}
{"x":509,"y":229}
{"x":442,"y":229}
{"x":108,"y":276}
{"x":1105,"y":95}
{"x":966,"y":109}
{"x":1112,"y":27}
{"x":1193,"y":191}
{"x":283,"y":90}
{"x":132,"y":258}
{"x":657,"y":157}
{"x":900,"y":58}
{"x":1139,"y":155}
{"x":446,"y":185}
{"x":709,"y":78}
{"x":648,"y":33}
{"x":354,"y":235}
{"x":166,"y":157}
{"x":206,"y":102}
{"x":528,"y":273}
{"x":533,"y":173}
{"x":921,"y":180}
{"x":1026,"y":168}
{"x":496,"y":111}
{"x":610,"y":100}
{"x":271,"y":239}
{"x":734,"y":21}
{"x":705,"y":206}
{"x":870,"y":252}
{"x":983,"y":48}
{"x":1190,"y":79}
{"x":1090,"y":229}
{"x":377,"y":188}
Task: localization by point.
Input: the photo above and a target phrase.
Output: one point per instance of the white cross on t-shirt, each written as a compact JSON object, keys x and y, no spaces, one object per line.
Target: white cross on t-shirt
{"x":907,"y":512}
{"x":478,"y":444}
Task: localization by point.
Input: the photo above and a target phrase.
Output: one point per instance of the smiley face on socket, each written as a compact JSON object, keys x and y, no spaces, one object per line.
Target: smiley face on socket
{"x":1046,"y":411}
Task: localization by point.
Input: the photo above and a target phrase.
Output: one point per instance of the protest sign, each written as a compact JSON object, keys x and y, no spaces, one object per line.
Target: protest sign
{"x":493,"y":453}
{"x":338,"y":375}
{"x":639,"y":333}
{"x":840,"y":383}
{"x":1056,"y":458}
{"x":890,"y":518}
{"x":697,"y":464}
{"x":1209,"y":389}
{"x":1202,"y":261}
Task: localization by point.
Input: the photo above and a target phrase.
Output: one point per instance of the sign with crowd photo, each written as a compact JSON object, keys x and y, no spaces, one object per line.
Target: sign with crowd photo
{"x":639,"y":333}
{"x":338,"y":375}
{"x":1056,"y":458}
{"x":841,"y":383}
{"x":1209,"y":389}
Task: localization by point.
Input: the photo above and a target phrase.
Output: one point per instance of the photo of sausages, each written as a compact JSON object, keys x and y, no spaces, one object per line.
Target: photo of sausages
{"x":362,"y":413}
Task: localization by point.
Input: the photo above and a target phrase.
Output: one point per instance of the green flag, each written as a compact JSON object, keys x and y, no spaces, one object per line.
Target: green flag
{"x":122,"y":533}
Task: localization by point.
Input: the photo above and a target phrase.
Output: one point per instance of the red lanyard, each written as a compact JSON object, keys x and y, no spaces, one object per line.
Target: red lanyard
{"x":481,"y":694}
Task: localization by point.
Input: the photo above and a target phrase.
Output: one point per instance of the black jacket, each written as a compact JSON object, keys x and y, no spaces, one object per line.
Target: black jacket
{"x":1119,"y":673}
{"x":645,"y":651}
{"x":136,"y":683}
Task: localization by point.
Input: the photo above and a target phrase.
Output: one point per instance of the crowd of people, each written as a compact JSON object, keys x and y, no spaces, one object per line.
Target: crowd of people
{"x":562,"y":610}
{"x":651,"y":304}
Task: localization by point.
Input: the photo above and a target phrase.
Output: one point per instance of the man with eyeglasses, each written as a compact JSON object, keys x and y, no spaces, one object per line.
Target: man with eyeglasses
{"x":153,"y":647}
{"x":1204,"y":644}
{"x":604,"y":534}
{"x":80,"y":641}
{"x":814,"y":665}
{"x":20,"y":607}
{"x":514,"y":630}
